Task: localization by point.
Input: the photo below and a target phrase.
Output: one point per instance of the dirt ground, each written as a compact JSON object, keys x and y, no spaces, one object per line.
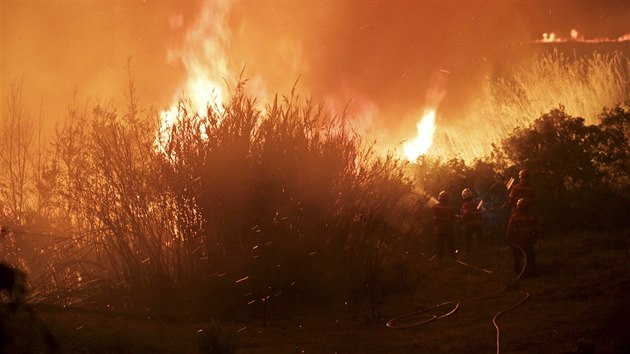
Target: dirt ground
{"x":580,"y":294}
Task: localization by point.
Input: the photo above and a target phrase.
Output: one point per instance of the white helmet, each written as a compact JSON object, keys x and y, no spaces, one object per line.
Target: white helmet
{"x":523,"y":174}
{"x":466,"y":193}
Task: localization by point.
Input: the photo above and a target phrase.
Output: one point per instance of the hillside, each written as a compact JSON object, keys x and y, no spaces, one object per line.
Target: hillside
{"x":580,"y":294}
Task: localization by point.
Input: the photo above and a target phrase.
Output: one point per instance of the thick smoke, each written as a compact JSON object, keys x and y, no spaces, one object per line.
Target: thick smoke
{"x":384,"y":58}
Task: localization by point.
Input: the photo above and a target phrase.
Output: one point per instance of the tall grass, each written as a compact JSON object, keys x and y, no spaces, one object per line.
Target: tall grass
{"x":582,"y":85}
{"x":131,"y":233}
{"x":238,"y":206}
{"x":293,"y":201}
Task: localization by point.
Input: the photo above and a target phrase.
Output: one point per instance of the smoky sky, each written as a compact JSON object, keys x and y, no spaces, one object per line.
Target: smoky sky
{"x":390,"y":54}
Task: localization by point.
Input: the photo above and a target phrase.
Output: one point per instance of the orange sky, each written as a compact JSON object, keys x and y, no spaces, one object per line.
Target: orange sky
{"x":385,"y":56}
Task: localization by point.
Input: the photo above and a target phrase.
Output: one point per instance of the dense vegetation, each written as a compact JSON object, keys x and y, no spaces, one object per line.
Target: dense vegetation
{"x":581,"y":172}
{"x":241,"y":206}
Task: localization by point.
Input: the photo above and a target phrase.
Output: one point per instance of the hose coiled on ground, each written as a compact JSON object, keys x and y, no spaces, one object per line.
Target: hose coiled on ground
{"x":418,"y":318}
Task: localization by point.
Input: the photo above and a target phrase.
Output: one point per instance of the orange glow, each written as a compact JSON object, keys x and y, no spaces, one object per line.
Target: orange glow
{"x":576,"y":36}
{"x":204,"y":57}
{"x":422,"y":142}
{"x":549,"y":37}
{"x":349,"y":58}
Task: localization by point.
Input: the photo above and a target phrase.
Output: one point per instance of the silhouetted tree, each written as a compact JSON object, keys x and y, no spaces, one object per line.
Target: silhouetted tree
{"x":572,"y":166}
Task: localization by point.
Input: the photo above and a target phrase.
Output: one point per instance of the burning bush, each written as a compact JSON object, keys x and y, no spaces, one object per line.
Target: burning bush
{"x":292,"y":201}
{"x":234,"y":207}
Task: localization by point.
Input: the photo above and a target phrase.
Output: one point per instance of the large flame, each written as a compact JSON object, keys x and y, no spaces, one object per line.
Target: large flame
{"x":422,"y":142}
{"x":203,"y":55}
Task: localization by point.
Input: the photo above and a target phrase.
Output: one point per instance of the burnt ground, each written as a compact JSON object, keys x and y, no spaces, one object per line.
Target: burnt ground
{"x":580,"y":294}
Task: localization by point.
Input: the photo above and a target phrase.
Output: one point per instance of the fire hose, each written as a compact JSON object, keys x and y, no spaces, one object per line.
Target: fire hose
{"x":420,"y":317}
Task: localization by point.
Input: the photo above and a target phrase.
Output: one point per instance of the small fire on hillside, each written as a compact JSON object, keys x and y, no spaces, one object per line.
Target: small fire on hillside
{"x":576,"y":36}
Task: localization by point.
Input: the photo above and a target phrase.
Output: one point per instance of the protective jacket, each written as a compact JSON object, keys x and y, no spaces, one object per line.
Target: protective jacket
{"x":443,"y":218}
{"x":523,"y":189}
{"x":470,"y":214}
{"x":522,"y":229}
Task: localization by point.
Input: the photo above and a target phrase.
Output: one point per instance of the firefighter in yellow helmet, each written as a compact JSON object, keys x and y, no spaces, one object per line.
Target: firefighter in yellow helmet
{"x":472,"y":223}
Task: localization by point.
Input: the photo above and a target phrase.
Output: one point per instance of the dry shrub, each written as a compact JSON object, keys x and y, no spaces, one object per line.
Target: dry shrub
{"x":234,"y":207}
{"x":134,"y":242}
{"x":294,"y":203}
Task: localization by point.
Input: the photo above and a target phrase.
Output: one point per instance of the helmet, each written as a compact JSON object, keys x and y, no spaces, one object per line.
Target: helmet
{"x":522,"y":204}
{"x":443,"y":196}
{"x":466,"y":193}
{"x":523,"y":174}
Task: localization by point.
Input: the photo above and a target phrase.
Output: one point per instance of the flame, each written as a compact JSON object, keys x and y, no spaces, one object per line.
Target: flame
{"x":549,"y":37}
{"x":576,"y":36}
{"x":204,"y":58}
{"x":422,"y":142}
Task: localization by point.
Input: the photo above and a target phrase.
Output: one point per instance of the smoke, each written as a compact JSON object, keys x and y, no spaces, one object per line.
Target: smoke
{"x":380,"y":59}
{"x":388,"y":54}
{"x":59,"y":48}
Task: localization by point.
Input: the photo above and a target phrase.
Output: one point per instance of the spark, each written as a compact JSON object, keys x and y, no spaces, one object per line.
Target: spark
{"x":242,"y":279}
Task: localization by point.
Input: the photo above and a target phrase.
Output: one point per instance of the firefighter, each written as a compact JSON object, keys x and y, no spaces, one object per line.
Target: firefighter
{"x":472,"y":222}
{"x":523,"y":189}
{"x":522,"y":234}
{"x":443,"y":219}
